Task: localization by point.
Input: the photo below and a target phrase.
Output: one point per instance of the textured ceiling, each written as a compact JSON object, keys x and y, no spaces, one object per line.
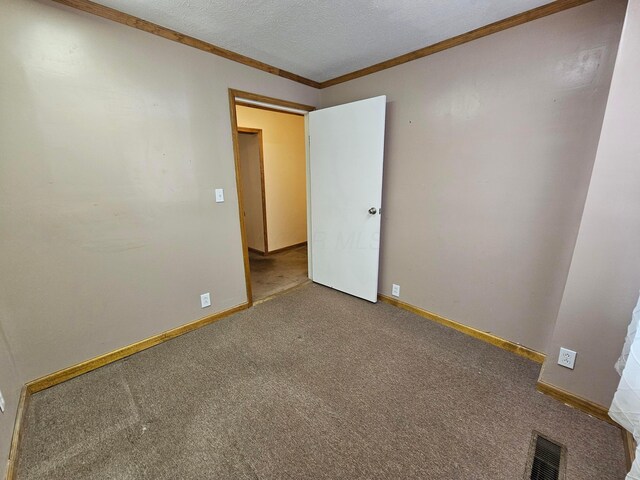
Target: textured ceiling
{"x":322,"y":39}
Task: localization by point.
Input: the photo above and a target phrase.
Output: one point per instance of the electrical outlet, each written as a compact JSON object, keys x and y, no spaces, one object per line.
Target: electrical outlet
{"x":395,"y":290}
{"x":567,"y":358}
{"x":205,"y":300}
{"x":1,"y":403}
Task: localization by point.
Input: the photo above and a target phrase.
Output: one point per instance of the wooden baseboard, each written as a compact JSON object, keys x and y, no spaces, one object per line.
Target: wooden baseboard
{"x":594,"y":409}
{"x":473,"y":332}
{"x":14,"y":449}
{"x":92,"y":364}
{"x":284,"y":249}
{"x":97,"y":362}
{"x":279,"y":250}
{"x":63,"y":375}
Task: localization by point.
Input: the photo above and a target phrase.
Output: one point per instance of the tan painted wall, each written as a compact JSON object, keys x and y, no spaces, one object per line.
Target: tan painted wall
{"x":489,"y":151}
{"x":10,"y":386}
{"x":284,"y":172}
{"x":249,"y":148}
{"x":112,"y":141}
{"x":604,"y":279}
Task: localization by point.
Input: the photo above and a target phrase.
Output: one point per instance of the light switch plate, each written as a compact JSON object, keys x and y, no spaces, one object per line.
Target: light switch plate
{"x":219,"y":195}
{"x":205,"y":300}
{"x":395,"y":290}
{"x":2,"y":405}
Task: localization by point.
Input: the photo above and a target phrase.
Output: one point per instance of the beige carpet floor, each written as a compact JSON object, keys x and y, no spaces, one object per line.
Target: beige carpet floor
{"x":313,"y":384}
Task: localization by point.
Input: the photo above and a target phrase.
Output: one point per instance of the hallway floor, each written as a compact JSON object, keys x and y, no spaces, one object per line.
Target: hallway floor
{"x":271,"y":274}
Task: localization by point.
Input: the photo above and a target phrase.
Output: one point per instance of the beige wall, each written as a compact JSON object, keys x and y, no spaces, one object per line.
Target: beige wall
{"x":489,"y":151}
{"x":284,"y":173}
{"x":604,"y":278}
{"x":250,"y":174}
{"x":10,"y":386}
{"x":112,"y":141}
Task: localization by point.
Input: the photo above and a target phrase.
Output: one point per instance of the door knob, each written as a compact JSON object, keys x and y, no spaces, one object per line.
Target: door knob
{"x":373,"y":210}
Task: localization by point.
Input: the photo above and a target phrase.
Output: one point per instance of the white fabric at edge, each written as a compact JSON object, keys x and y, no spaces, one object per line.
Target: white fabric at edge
{"x":625,"y":407}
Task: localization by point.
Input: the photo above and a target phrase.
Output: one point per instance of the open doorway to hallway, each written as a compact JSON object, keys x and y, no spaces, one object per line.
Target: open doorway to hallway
{"x":277,"y":272}
{"x":272,"y":184}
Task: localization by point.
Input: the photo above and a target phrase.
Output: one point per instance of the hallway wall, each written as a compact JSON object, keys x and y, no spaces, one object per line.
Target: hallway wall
{"x":285,"y":173}
{"x":251,"y":177}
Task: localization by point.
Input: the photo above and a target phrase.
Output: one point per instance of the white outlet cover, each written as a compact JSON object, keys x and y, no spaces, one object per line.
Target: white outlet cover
{"x":219,"y":195}
{"x":395,"y":290}
{"x":567,"y":358}
{"x":205,"y":300}
{"x":2,"y":405}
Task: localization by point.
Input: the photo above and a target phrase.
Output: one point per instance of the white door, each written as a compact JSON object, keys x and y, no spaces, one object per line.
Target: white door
{"x":346,"y":146}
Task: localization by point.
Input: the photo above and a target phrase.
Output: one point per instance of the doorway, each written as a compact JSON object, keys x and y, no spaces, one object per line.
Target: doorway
{"x":345,"y":145}
{"x":271,"y":173}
